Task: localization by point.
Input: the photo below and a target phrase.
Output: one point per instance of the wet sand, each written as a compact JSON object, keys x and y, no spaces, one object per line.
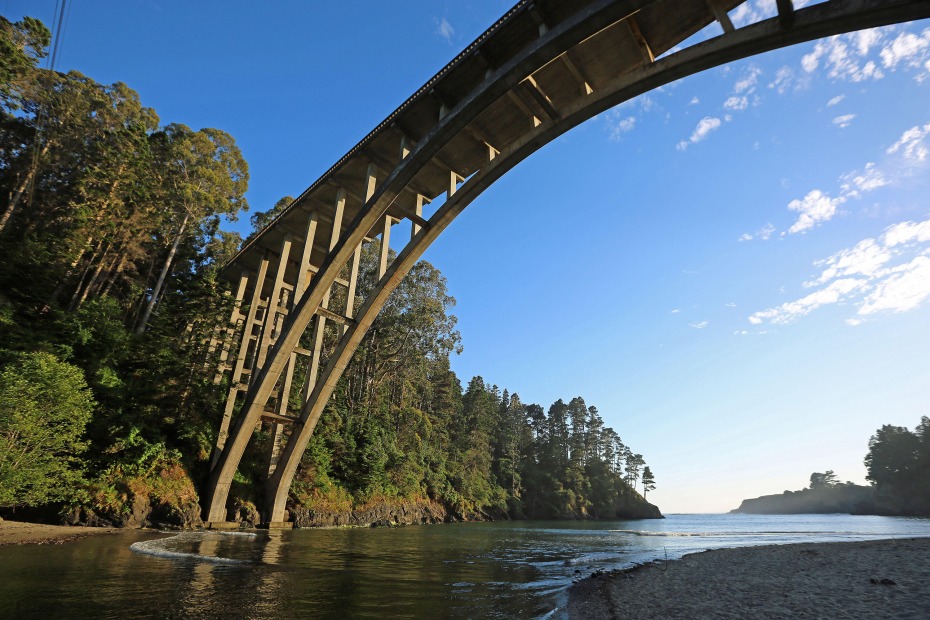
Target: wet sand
{"x":21,"y":533}
{"x":873,"y":579}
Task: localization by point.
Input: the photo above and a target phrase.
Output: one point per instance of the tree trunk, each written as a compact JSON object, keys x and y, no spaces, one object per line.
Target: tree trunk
{"x":21,"y":189}
{"x":80,"y":291}
{"x":156,"y":290}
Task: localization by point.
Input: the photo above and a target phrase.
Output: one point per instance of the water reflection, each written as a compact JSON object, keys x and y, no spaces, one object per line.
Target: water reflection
{"x":487,"y":570}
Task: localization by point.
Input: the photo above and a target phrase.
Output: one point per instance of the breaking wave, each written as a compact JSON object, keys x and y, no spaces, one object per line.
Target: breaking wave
{"x":160,"y":547}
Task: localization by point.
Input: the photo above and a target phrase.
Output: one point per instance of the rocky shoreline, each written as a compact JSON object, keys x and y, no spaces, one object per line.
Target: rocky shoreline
{"x":872,"y":579}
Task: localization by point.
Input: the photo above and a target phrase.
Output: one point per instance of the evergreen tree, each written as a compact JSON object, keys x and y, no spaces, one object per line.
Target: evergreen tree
{"x":649,"y":481}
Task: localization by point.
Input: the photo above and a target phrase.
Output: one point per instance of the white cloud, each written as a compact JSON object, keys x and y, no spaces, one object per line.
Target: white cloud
{"x":841,"y":62}
{"x":867,"y":54}
{"x":736,"y":103}
{"x":864,"y":40}
{"x":890,"y":273}
{"x":866,"y":258}
{"x":784,"y":77}
{"x":909,"y":50}
{"x":676,"y":311}
{"x":835,"y":100}
{"x":694,"y":101}
{"x":701,"y":131}
{"x":444,"y":29}
{"x":855,"y":184}
{"x":618,"y":124}
{"x":699,"y":325}
{"x":763,"y":233}
{"x":912,"y":145}
{"x":729,"y":305}
{"x":704,"y":127}
{"x":906,"y":233}
{"x":844,"y":121}
{"x":904,"y":290}
{"x":814,"y":208}
{"x":836,"y":291}
{"x":747,"y":84}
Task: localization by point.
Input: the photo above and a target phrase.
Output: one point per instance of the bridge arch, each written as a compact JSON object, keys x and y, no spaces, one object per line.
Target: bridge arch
{"x":539,"y":62}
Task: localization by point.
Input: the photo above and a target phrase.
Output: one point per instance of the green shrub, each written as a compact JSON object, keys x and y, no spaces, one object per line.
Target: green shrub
{"x":44,"y":406}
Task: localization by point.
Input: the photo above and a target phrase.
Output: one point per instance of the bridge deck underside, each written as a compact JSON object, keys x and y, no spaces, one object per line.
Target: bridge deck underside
{"x":546,"y":66}
{"x":615,"y":50}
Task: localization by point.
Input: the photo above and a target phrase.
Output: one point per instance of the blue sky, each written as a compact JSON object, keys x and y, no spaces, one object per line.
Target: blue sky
{"x":733,"y":269}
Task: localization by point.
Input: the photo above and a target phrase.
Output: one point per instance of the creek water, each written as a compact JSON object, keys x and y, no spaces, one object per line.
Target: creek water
{"x":473,"y":570}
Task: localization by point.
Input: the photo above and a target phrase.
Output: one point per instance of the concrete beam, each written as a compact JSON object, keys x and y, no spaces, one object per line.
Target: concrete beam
{"x":633,"y":26}
{"x":721,"y":16}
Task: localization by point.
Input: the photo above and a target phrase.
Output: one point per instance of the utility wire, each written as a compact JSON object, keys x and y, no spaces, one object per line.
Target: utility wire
{"x":58,"y":27}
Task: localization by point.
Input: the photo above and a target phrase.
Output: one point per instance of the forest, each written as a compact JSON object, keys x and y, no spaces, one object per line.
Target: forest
{"x":111,"y":248}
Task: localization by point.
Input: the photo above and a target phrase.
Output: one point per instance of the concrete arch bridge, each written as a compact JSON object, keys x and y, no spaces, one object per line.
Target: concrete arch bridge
{"x":543,"y":68}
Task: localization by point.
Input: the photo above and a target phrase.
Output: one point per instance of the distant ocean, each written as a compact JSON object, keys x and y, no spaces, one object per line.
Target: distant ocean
{"x":473,"y":570}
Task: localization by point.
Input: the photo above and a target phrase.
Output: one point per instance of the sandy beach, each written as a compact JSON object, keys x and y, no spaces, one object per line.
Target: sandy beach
{"x":874,"y":579}
{"x":21,"y":533}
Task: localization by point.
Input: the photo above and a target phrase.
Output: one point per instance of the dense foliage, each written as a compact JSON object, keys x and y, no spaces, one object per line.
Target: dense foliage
{"x":44,"y":407}
{"x":899,"y":465}
{"x":109,"y":254}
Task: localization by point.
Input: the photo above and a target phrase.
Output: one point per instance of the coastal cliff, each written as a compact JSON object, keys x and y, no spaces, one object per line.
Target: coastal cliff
{"x":847,"y":498}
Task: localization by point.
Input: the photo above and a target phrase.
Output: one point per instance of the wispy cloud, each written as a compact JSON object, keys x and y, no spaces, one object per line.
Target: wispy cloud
{"x":857,"y":183}
{"x":844,"y":57}
{"x":736,"y":103}
{"x":815,"y":208}
{"x":444,"y":29}
{"x":907,"y":156}
{"x":704,"y":127}
{"x":912,"y":145}
{"x":619,"y":124}
{"x":747,"y":83}
{"x":869,"y":54}
{"x":908,"y":50}
{"x":835,"y":100}
{"x":784,"y":78}
{"x":763,"y":233}
{"x":844,"y":121}
{"x":890,"y":273}
{"x":699,"y":324}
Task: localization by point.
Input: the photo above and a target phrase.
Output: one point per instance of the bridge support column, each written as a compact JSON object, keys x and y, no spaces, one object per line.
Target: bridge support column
{"x":278,"y":486}
{"x":238,"y":369}
{"x":302,"y":280}
{"x":270,"y":331}
{"x":319,"y":324}
{"x":235,"y":323}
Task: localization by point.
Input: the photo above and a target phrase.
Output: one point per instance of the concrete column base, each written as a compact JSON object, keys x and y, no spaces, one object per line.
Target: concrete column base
{"x":221,"y":525}
{"x":277,"y":525}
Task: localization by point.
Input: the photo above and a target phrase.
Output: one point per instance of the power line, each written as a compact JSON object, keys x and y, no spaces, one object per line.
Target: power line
{"x":58,"y":26}
{"x":59,"y":30}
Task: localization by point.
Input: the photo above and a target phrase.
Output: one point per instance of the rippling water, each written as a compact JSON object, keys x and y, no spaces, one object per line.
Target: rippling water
{"x":475,"y":570}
